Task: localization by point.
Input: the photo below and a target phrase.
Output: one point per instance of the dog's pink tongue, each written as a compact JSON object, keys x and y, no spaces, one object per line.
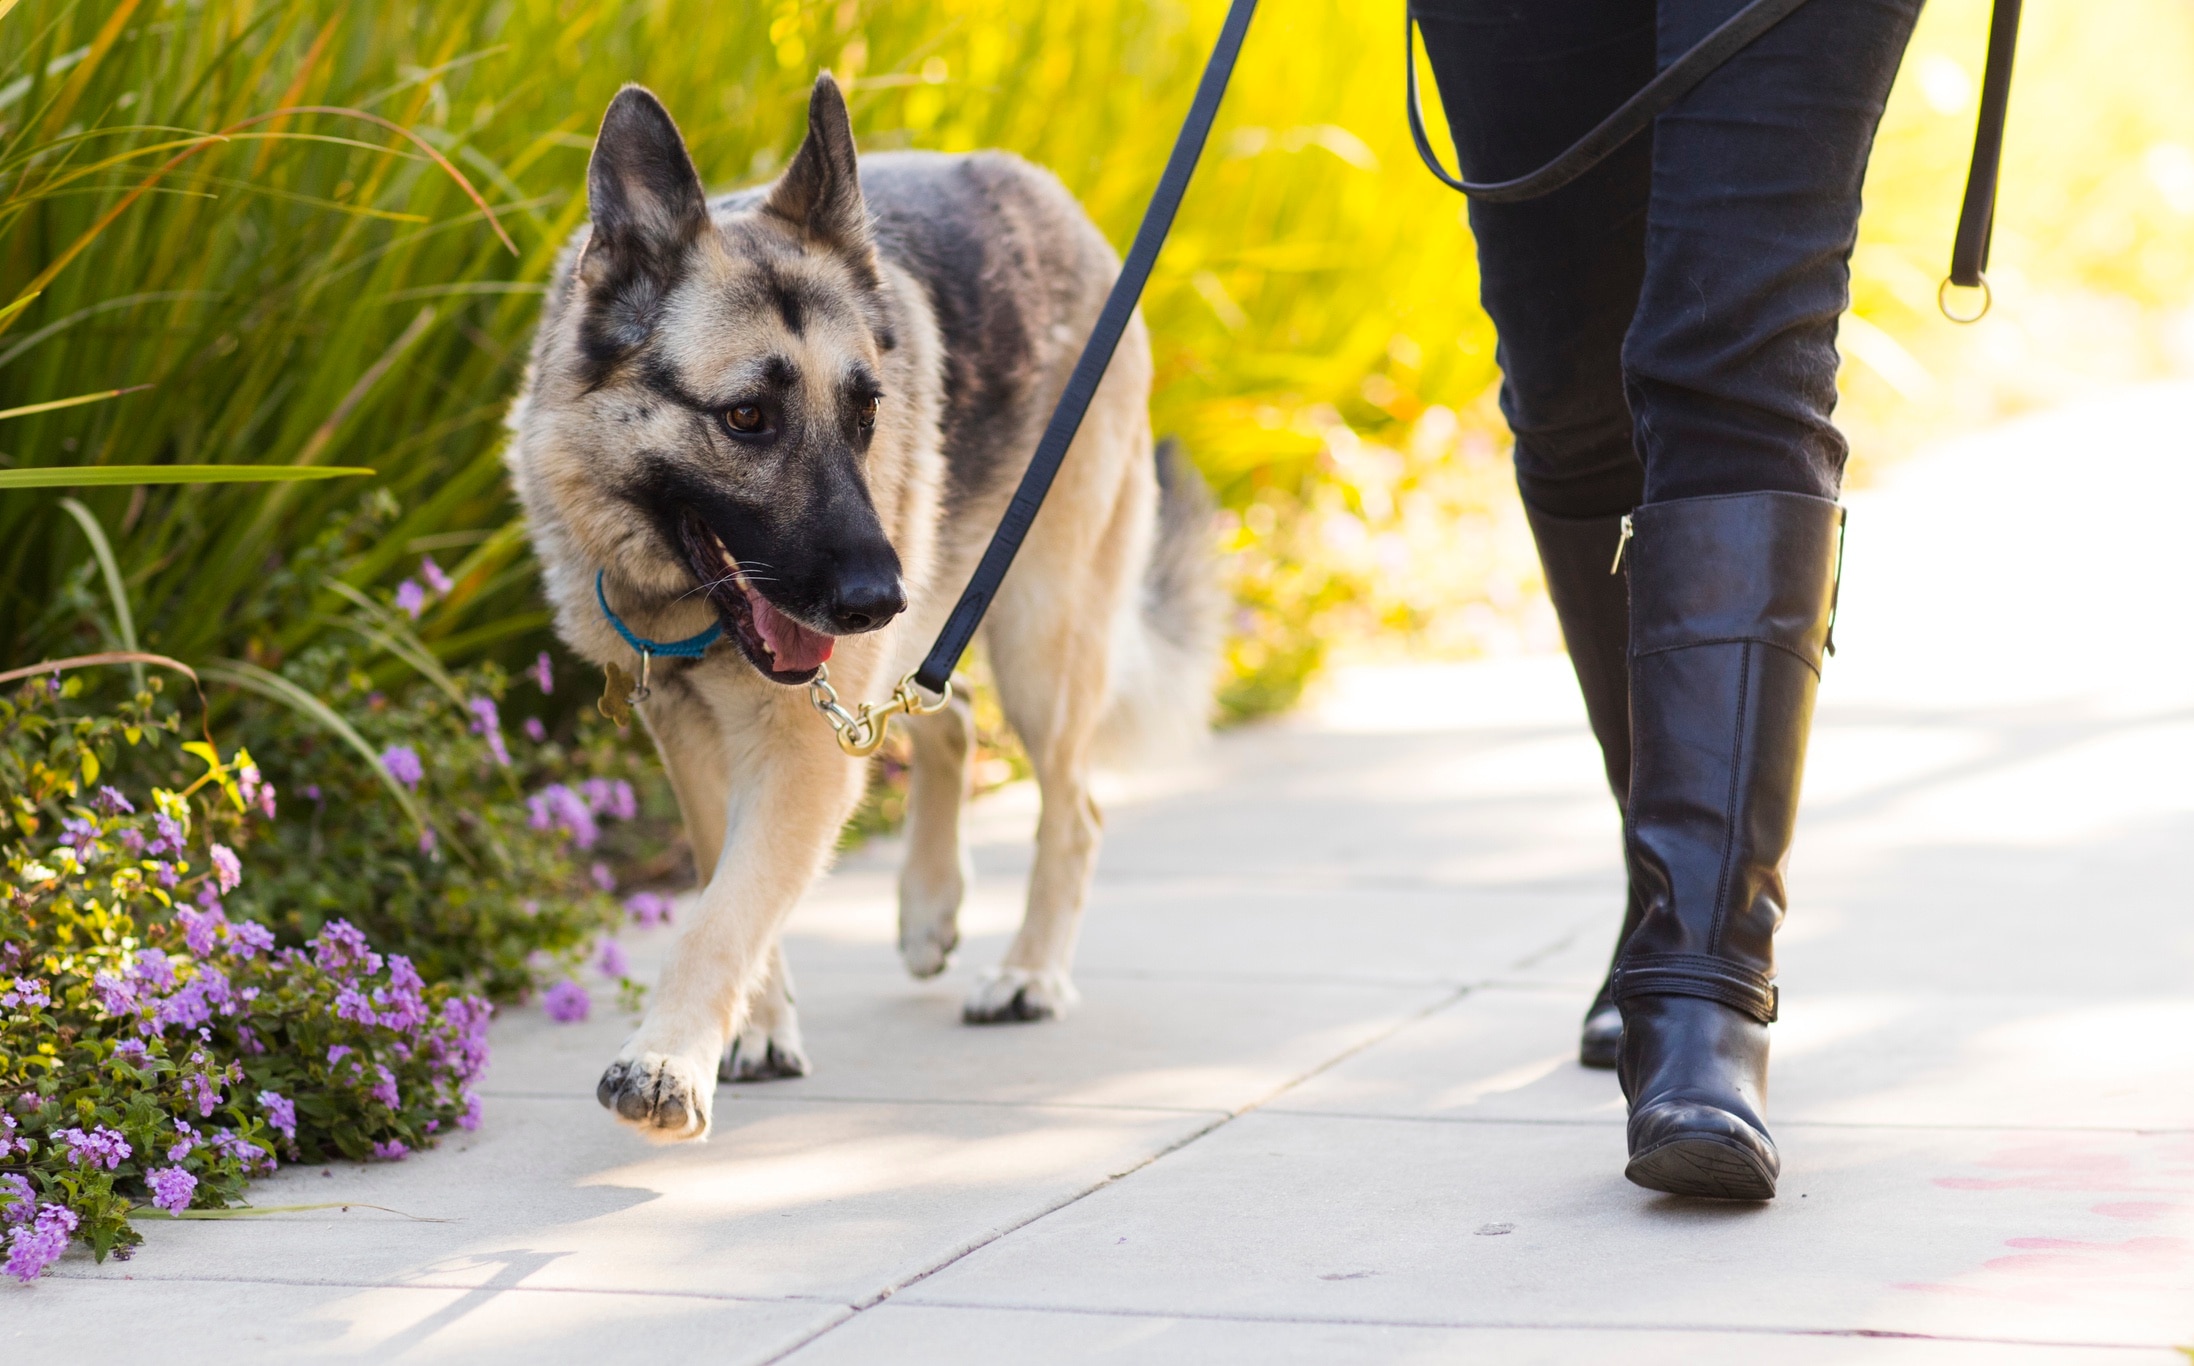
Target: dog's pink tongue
{"x":793,"y":647}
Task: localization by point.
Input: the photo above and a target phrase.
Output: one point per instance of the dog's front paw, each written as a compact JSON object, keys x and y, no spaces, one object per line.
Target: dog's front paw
{"x":1013,"y":995}
{"x":665,"y":1097}
{"x":763,"y":1055}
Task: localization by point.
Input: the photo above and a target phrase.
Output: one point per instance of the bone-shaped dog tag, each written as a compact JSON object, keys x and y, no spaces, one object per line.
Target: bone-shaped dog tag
{"x":616,"y":703}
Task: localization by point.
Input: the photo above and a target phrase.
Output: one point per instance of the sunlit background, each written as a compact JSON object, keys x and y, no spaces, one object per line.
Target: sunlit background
{"x":317,"y":290}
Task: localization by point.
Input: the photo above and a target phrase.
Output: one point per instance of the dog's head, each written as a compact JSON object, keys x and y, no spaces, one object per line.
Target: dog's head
{"x":718,"y":388}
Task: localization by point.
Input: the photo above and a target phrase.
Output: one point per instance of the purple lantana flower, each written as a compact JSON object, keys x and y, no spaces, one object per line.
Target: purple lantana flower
{"x":558,"y":806}
{"x":34,"y":1246}
{"x":391,"y":1151}
{"x":411,"y":598}
{"x":256,"y":790}
{"x":205,"y":1090}
{"x":102,"y":1147}
{"x":17,"y":1203}
{"x":281,"y":1113}
{"x":249,"y":939}
{"x":341,"y":949}
{"x":201,"y":929}
{"x":566,"y":1002}
{"x":648,"y":908}
{"x":534,"y":730}
{"x":227,"y":867}
{"x":486,"y":721}
{"x":171,"y":1188}
{"x":612,"y":961}
{"x":112,"y":802}
{"x":544,"y":672}
{"x":402,"y":763}
{"x":170,"y":836}
{"x":432,"y":573}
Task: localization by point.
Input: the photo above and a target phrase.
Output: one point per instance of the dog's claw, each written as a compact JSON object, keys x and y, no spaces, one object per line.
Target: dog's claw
{"x":613,"y":1080}
{"x":761,"y":1058}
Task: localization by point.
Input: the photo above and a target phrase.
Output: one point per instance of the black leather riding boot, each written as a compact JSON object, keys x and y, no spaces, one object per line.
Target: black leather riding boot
{"x":1730,"y":603}
{"x":1592,"y":600}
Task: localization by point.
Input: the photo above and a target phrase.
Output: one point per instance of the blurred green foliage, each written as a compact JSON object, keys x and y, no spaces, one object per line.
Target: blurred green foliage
{"x":316,"y":289}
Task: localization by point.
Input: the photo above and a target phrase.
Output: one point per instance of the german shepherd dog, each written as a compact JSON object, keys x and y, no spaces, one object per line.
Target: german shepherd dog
{"x":798,"y":412}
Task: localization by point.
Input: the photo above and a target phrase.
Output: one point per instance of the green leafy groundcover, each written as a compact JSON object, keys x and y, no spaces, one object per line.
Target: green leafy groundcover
{"x":171,"y":1025}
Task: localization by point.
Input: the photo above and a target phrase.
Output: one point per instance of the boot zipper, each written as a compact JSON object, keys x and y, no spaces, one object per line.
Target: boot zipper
{"x":1619,"y":545}
{"x":1836,"y":590}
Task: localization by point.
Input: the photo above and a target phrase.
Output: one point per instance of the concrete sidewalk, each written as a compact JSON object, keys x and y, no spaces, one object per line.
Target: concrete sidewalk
{"x":1321,"y":1103}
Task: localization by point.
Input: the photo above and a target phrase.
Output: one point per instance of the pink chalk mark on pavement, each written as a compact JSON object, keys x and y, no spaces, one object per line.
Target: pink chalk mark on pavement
{"x":2140,"y":1271}
{"x":2134,"y":1209}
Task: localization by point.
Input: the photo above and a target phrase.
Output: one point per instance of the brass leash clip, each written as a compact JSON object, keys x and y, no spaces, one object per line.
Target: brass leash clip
{"x":861,"y":732}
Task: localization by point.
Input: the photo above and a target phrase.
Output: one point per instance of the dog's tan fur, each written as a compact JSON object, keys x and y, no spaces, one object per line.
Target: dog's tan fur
{"x":763,"y":787}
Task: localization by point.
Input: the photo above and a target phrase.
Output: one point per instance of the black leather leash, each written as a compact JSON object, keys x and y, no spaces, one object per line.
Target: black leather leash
{"x":1633,"y":117}
{"x":1066,"y":419}
{"x":1977,"y":219}
{"x":1969,"y":252}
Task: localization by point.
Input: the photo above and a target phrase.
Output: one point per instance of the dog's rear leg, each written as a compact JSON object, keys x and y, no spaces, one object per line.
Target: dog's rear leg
{"x":768,"y":1046}
{"x":1052,"y":683}
{"x":937,"y":871}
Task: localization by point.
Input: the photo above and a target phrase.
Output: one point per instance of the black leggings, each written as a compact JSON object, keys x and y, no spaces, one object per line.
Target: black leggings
{"x":1667,"y":322}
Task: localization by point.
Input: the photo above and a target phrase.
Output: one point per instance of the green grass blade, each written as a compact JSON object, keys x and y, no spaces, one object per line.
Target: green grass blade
{"x":87,"y":476}
{"x":125,"y":625}
{"x":52,"y":404}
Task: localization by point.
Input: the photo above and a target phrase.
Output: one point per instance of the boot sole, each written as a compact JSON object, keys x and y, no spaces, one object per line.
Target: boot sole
{"x":1706,"y":1168}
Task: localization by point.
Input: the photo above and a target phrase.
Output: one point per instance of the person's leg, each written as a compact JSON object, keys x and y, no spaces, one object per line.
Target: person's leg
{"x":1730,"y":363}
{"x":1521,"y":80}
{"x":1730,"y":366}
{"x":1559,"y":275}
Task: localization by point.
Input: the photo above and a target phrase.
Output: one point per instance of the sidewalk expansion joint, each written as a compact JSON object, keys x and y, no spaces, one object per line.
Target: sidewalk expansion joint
{"x":1589,"y":1122}
{"x":1530,"y":1325}
{"x":1377,"y":1037}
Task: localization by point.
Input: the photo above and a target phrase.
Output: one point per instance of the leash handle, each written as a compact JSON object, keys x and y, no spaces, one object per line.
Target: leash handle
{"x":1977,"y":218}
{"x":935,"y":675}
{"x":1630,"y":118}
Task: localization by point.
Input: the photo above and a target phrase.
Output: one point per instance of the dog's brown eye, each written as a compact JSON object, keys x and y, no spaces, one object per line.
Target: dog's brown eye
{"x":868,"y":413}
{"x":746,"y":417}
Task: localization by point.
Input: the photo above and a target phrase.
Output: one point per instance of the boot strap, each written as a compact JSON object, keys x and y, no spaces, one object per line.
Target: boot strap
{"x":1696,"y":974}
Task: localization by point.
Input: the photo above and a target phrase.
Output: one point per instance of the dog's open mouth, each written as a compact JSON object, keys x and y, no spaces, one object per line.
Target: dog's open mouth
{"x":781,"y":649}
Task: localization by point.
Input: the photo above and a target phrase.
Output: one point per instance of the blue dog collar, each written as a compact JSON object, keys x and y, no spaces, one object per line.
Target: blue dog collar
{"x":692,"y":647}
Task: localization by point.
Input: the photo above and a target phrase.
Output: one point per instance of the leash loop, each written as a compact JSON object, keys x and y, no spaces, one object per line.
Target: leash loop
{"x":861,"y":732}
{"x":1942,"y":298}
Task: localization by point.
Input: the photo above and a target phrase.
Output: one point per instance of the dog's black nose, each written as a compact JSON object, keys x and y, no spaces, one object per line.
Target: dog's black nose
{"x":864,"y":602}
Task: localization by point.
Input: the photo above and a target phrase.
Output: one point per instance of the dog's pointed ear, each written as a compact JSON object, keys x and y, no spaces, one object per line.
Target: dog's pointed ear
{"x":643,"y":196}
{"x":820,"y":192}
